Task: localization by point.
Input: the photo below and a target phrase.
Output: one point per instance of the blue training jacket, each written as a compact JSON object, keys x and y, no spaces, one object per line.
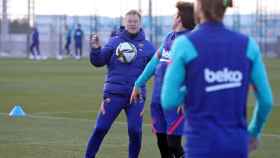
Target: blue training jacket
{"x":163,"y":63}
{"x":35,"y":36}
{"x":157,"y":66}
{"x":121,"y":76}
{"x":78,"y":36}
{"x":218,"y":66}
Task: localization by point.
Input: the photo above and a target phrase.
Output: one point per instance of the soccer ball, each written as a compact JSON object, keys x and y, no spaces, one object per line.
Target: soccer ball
{"x":126,"y":52}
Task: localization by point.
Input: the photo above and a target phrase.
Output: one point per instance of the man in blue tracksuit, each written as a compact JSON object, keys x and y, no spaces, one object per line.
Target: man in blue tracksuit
{"x":217,"y":66}
{"x":78,"y":38}
{"x":167,"y":125}
{"x":35,"y":44}
{"x":119,"y":83}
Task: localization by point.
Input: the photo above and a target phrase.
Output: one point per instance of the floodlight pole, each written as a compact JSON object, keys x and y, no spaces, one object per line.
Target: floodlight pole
{"x":30,"y":21}
{"x":29,"y":31}
{"x":61,"y":21}
{"x":33,"y":12}
{"x":90,"y":24}
{"x":236,"y":18}
{"x":28,"y":12}
{"x":151,"y":20}
{"x":121,"y":12}
{"x":261,"y":24}
{"x":140,"y":6}
{"x":95,"y":19}
{"x":96,"y":23}
{"x":4,"y":27}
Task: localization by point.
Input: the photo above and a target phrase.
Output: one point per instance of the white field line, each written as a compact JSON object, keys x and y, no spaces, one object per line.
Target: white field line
{"x":116,"y":122}
{"x":272,"y":135}
{"x":65,"y":112}
{"x":67,"y":118}
{"x":67,"y":144}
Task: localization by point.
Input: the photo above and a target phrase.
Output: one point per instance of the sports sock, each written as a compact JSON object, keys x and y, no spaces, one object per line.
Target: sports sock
{"x":175,"y":146}
{"x":163,"y":145}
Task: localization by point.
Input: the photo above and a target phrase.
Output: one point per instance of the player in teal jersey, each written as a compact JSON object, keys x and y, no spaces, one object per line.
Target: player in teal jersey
{"x":217,"y":66}
{"x":167,"y":125}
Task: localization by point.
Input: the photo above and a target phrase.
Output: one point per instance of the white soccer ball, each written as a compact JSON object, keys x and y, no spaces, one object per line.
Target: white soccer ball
{"x":126,"y":52}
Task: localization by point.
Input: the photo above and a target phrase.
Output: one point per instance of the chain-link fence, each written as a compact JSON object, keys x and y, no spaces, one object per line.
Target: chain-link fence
{"x":263,"y":25}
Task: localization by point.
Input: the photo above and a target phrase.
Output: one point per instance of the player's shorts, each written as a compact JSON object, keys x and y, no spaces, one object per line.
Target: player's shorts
{"x":170,"y":121}
{"x":214,"y":141}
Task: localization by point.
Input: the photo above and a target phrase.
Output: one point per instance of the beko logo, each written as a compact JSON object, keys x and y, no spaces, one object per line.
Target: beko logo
{"x":165,"y":57}
{"x":222,"y":79}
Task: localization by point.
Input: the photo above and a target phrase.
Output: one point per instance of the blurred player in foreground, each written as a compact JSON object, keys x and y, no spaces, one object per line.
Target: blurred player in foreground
{"x":217,"y":66}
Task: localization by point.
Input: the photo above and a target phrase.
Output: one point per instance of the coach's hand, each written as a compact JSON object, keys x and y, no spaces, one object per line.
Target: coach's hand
{"x":135,"y":95}
{"x":253,"y":144}
{"x":94,"y":41}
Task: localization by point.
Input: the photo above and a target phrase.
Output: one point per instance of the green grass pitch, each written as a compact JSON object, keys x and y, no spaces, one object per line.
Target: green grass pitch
{"x":62,"y":99}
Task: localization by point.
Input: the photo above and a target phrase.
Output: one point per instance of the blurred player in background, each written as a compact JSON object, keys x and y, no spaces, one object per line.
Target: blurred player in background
{"x":167,"y":125}
{"x":67,"y":41}
{"x":217,"y":66}
{"x":117,"y":31}
{"x":78,"y":38}
{"x":35,"y":44}
{"x":68,"y":38}
{"x":119,"y":83}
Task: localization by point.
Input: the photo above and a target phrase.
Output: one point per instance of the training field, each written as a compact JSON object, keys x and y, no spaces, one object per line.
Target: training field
{"x":62,"y":100}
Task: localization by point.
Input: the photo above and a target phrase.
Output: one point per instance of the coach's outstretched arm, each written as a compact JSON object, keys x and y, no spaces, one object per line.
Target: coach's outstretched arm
{"x":100,"y":56}
{"x":262,"y":88}
{"x":173,"y":90}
